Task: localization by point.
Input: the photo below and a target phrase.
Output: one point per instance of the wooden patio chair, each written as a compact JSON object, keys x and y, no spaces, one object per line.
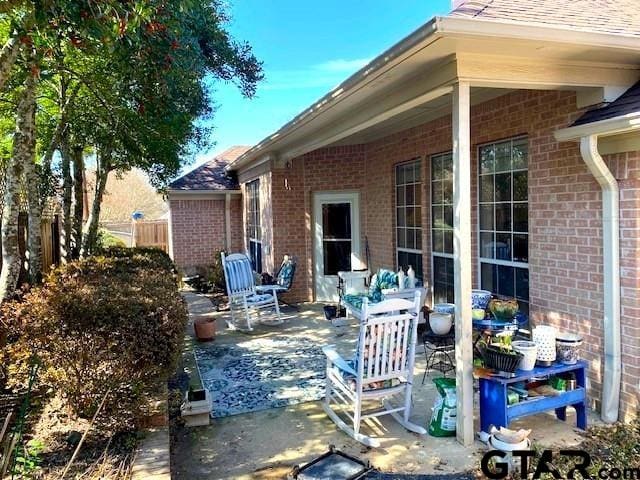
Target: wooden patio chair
{"x":381,"y":368}
{"x":244,"y":300}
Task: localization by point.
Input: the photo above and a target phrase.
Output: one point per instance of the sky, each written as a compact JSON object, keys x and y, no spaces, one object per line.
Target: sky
{"x":307,"y":47}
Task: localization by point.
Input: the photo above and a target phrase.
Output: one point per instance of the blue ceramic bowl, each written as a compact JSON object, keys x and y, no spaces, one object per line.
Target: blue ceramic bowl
{"x":480,"y":298}
{"x":445,"y":308}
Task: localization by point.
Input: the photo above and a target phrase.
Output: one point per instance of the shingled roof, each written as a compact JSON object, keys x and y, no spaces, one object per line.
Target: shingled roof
{"x":620,"y":17}
{"x":627,"y":103}
{"x":212,"y":174}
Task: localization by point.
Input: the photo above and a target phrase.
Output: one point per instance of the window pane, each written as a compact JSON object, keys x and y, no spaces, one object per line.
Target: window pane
{"x":336,"y":220}
{"x":411,"y":217}
{"x":487,"y":245}
{"x":337,"y":257}
{"x":407,"y":259}
{"x":436,"y":192}
{"x":448,"y":241}
{"x":503,"y":157}
{"x":486,"y":188}
{"x":488,"y":274}
{"x":486,"y":217}
{"x":411,"y":238}
{"x":503,"y":187}
{"x":410,"y":195}
{"x":520,"y":186}
{"x":447,"y":192}
{"x":418,"y":194}
{"x":520,"y":153}
{"x":448,"y":217}
{"x":447,"y":167}
{"x":503,"y":246}
{"x":487,"y":159}
{"x":437,"y":213}
{"x":401,"y":217}
{"x":522,"y":283}
{"x":402,"y":237}
{"x":521,"y":248}
{"x":436,"y":168}
{"x":520,"y":217}
{"x":503,"y":217}
{"x":505,"y":281}
{"x":400,"y":194}
{"x":437,"y":241}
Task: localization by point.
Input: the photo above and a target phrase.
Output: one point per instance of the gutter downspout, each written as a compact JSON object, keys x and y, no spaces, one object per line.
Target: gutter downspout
{"x":611,"y":270}
{"x":227,"y":222}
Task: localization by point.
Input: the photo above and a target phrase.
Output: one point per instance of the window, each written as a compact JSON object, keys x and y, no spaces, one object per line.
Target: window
{"x":409,"y":216}
{"x":442,"y":226}
{"x":254,"y":228}
{"x":504,"y":219}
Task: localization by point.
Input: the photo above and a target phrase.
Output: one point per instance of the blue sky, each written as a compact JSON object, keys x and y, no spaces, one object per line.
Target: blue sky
{"x":308,"y":47}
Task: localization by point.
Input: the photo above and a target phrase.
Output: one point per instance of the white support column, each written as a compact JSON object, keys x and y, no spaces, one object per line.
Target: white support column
{"x":462,"y":260}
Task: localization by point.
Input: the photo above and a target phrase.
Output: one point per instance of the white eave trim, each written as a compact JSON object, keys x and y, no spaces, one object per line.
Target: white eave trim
{"x":610,"y":126}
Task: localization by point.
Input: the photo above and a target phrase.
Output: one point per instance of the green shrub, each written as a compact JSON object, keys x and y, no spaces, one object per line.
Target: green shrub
{"x":103,"y":324}
{"x":143,"y":256}
{"x":106,"y":239}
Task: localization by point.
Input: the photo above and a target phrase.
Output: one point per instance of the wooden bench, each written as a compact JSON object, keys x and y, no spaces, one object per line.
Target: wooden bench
{"x":495,"y":410}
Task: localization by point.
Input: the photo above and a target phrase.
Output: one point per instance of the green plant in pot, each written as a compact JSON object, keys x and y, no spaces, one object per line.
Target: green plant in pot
{"x":504,"y":310}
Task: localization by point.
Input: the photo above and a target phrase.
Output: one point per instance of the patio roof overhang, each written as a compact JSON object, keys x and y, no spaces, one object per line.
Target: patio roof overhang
{"x":411,"y":82}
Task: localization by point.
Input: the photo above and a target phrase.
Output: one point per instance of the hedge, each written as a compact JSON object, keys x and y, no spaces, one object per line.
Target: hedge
{"x":104,"y":324}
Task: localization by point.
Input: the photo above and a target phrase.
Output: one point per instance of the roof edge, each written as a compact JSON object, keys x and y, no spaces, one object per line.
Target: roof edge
{"x":609,"y":126}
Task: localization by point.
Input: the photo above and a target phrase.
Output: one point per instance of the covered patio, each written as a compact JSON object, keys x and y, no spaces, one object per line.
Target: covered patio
{"x":447,"y":81}
{"x":266,"y":444}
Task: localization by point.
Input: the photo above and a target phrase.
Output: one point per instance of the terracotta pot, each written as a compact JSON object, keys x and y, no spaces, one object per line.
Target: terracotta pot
{"x":205,"y":328}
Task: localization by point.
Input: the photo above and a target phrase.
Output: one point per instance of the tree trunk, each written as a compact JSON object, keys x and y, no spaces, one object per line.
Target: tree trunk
{"x":8,"y":56}
{"x":78,"y":200}
{"x":103,"y":167}
{"x":34,"y":232}
{"x":23,"y":152}
{"x":67,"y":193}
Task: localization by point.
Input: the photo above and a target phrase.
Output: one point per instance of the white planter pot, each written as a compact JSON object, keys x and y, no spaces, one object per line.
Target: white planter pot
{"x":196,"y":413}
{"x":530,"y":352}
{"x":440,"y":323}
{"x":544,"y":336}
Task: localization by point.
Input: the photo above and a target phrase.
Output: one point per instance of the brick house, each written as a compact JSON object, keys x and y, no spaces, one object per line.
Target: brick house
{"x":497,"y":148}
{"x":205,"y":212}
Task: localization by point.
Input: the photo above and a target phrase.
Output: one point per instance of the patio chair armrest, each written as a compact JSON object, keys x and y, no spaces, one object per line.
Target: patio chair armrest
{"x":270,"y":289}
{"x":335,"y":358}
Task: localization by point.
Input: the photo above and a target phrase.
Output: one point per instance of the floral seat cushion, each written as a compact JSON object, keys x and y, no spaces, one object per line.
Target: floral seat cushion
{"x":383,"y":280}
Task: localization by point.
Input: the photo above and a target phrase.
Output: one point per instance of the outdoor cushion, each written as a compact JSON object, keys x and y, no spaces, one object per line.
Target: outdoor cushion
{"x":383,"y":280}
{"x":260,"y":298}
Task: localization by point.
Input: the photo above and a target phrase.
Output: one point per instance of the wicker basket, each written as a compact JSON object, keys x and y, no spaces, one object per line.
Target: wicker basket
{"x":499,"y":360}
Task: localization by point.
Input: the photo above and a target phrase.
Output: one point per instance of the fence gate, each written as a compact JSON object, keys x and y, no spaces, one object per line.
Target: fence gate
{"x":153,"y":233}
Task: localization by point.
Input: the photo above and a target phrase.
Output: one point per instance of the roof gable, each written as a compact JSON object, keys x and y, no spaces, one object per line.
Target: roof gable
{"x":212,"y":175}
{"x":620,"y":17}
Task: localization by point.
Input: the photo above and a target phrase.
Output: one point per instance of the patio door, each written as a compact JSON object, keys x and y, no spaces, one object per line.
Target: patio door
{"x":336,"y":240}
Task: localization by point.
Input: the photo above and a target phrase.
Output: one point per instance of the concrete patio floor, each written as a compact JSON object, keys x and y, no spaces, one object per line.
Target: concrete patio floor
{"x":267,"y":444}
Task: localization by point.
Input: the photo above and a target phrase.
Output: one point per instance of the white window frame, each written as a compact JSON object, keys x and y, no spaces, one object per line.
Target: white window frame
{"x":254,"y":220}
{"x":495,"y":261}
{"x":434,"y":254}
{"x":416,"y":160}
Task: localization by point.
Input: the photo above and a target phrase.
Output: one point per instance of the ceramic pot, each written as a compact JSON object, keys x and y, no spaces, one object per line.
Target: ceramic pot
{"x":440,"y":323}
{"x":544,"y":336}
{"x":480,"y":298}
{"x":530,"y":352}
{"x":445,"y":308}
{"x":568,"y":348}
{"x":205,"y":328}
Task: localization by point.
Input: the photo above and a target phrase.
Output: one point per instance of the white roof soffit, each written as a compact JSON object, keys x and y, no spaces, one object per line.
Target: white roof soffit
{"x":423,"y":54}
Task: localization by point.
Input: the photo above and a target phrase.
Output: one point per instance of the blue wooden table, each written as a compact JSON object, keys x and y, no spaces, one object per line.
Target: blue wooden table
{"x":495,"y":410}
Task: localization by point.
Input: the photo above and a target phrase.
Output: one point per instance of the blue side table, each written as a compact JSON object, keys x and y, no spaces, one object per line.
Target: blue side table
{"x":495,"y":410}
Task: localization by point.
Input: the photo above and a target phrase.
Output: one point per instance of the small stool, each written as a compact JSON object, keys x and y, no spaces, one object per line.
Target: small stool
{"x":438,"y":352}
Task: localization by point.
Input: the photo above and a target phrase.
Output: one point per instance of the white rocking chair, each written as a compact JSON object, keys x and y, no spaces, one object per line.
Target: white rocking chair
{"x":381,"y":368}
{"x":244,"y":300}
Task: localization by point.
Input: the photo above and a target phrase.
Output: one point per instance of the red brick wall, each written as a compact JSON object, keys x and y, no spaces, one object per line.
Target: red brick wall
{"x":565,"y":238}
{"x":198,"y":230}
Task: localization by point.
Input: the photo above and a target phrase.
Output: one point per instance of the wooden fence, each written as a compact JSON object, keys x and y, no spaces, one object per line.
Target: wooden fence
{"x":152,"y":233}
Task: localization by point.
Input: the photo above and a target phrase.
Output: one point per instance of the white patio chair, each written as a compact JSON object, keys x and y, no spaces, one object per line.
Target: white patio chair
{"x":381,"y":368}
{"x":244,"y":300}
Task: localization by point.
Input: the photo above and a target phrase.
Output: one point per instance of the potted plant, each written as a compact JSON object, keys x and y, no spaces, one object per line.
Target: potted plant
{"x":500,"y":355}
{"x":205,"y":327}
